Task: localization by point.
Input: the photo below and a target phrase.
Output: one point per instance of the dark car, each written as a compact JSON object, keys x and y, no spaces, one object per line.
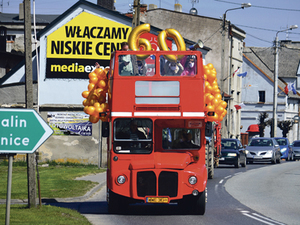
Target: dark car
{"x":296,"y":149}
{"x":232,"y":153}
{"x":263,"y":149}
{"x":285,"y":148}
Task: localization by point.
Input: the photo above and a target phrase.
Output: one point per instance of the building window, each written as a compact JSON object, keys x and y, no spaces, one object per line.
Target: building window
{"x":261,"y":96}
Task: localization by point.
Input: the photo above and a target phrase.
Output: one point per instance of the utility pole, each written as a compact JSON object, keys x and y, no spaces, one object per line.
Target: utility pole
{"x":136,"y":13}
{"x":31,"y":182}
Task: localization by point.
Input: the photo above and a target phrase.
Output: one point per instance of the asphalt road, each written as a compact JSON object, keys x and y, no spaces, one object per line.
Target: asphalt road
{"x":275,"y":193}
{"x":235,"y":196}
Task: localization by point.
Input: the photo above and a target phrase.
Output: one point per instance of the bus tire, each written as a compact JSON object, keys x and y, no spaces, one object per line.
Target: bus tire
{"x":116,"y":203}
{"x":201,"y":203}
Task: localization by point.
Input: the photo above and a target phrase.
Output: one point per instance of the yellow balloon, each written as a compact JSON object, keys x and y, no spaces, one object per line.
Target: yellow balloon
{"x":224,"y":104}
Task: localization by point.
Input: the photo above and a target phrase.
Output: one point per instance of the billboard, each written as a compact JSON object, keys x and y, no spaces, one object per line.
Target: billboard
{"x":74,"y":48}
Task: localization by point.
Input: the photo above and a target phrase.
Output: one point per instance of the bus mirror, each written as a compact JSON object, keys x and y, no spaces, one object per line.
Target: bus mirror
{"x":208,"y":129}
{"x":105,"y":129}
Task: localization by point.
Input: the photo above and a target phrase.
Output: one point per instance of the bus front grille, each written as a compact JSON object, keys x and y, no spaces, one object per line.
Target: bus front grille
{"x":167,"y":184}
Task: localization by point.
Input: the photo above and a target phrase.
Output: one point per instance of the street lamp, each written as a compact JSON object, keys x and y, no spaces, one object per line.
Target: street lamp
{"x":276,"y":80}
{"x":243,"y":5}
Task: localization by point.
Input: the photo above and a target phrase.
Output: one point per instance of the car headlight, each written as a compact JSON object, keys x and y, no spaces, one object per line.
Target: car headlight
{"x":231,"y":154}
{"x":283,"y":150}
{"x":247,"y":152}
{"x":193,"y":180}
{"x":270,"y":151}
{"x":121,"y":179}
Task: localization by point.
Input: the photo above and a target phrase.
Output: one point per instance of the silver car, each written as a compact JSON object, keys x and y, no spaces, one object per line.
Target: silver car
{"x":263,"y":149}
{"x":296,"y":149}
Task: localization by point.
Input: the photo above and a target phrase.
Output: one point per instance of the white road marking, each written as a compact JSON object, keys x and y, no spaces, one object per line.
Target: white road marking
{"x":221,"y":181}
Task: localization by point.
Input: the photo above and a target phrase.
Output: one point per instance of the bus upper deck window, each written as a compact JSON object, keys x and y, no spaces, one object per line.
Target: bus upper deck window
{"x":131,"y":65}
{"x":184,"y":67}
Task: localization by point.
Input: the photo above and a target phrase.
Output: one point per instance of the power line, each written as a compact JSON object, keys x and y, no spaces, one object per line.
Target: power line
{"x":264,"y":7}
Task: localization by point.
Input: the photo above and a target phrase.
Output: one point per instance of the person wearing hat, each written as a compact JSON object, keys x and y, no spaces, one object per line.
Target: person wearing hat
{"x":173,"y":68}
{"x":189,"y":66}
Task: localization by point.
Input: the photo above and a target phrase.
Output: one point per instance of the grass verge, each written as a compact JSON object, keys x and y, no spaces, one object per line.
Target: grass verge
{"x":56,"y":180}
{"x":21,"y":214}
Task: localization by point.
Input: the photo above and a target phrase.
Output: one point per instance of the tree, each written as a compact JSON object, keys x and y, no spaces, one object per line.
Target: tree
{"x":285,"y":126}
{"x":262,"y":123}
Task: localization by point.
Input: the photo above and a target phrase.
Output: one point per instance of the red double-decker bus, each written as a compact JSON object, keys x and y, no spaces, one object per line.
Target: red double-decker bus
{"x":156,"y":144}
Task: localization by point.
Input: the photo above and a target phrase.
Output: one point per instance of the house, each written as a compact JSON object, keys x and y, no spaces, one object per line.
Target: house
{"x":258,"y":84}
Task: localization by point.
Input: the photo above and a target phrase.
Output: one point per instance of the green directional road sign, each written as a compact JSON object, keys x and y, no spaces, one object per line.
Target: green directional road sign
{"x":22,"y":130}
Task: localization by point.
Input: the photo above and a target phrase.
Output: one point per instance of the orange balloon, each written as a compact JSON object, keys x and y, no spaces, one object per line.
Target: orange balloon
{"x":205,"y":77}
{"x":205,"y":67}
{"x":223,"y":104}
{"x":209,"y":108}
{"x":219,"y":110}
{"x":91,"y":86}
{"x":208,"y":89}
{"x":215,"y":102}
{"x":104,"y":106}
{"x":216,"y":91}
{"x":218,"y":96}
{"x":101,"y":84}
{"x":84,"y":109}
{"x":92,"y":74}
{"x":211,"y":77}
{"x":224,"y":113}
{"x":98,"y":71}
{"x":207,"y":72}
{"x":101,"y":99}
{"x":85,"y":94}
{"x":93,"y":119}
{"x":90,"y":110}
{"x":208,"y":99}
{"x":85,"y":102}
{"x":93,"y":80}
{"x":210,"y":66}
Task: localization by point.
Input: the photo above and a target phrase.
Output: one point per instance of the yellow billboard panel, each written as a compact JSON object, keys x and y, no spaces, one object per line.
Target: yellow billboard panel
{"x":87,"y":36}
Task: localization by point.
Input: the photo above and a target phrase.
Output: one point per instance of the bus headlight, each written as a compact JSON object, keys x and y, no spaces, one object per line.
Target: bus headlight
{"x":193,"y":180}
{"x":121,"y":179}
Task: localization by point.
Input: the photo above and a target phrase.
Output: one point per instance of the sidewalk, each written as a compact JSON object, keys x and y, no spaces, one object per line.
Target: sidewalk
{"x":100,"y":178}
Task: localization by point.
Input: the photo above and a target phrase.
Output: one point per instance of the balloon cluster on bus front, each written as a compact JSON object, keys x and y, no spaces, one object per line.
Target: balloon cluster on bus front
{"x":212,"y":97}
{"x":95,"y":96}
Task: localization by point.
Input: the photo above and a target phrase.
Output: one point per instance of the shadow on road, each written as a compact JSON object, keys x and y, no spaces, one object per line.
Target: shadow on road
{"x":101,"y":207}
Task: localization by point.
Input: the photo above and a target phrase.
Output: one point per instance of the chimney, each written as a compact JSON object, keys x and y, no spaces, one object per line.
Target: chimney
{"x":21,"y":11}
{"x":152,"y":6}
{"x":178,"y":7}
{"x":108,"y":4}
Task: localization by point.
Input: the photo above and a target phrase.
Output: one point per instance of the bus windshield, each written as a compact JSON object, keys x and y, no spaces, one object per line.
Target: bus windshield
{"x":133,"y":136}
{"x":179,"y":138}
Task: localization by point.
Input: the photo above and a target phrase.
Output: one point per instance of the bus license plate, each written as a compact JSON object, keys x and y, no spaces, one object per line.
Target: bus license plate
{"x":157,"y":200}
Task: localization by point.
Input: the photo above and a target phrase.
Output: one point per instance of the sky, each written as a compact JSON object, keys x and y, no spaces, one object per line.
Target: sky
{"x":261,"y":21}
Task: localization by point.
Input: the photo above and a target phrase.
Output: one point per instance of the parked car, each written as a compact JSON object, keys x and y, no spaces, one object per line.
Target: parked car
{"x":296,"y":149}
{"x":232,"y":153}
{"x":285,"y":148}
{"x":263,"y":149}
